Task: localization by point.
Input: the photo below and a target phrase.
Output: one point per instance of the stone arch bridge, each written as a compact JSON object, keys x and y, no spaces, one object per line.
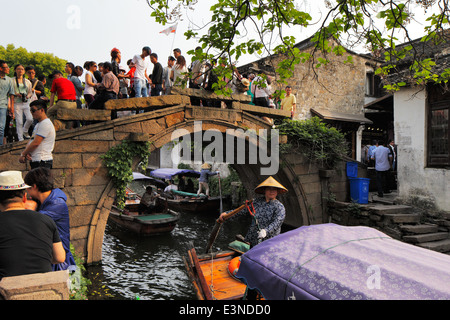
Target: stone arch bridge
{"x":80,"y":173}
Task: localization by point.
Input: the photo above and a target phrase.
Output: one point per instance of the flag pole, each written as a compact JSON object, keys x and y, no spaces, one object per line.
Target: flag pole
{"x":173,"y":41}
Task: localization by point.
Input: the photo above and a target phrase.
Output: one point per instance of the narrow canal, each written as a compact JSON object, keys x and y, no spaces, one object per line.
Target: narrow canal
{"x":152,"y":268}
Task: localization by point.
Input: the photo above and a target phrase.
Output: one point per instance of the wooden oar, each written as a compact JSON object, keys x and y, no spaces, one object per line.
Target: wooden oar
{"x":218,"y":224}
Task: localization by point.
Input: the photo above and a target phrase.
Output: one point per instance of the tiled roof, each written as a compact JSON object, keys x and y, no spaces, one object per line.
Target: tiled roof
{"x":437,"y":49}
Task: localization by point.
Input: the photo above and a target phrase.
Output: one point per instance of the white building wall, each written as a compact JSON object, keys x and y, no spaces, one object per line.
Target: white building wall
{"x":417,"y":184}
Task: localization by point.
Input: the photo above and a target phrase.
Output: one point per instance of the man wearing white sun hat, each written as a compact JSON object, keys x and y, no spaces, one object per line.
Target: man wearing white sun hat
{"x":29,"y":241}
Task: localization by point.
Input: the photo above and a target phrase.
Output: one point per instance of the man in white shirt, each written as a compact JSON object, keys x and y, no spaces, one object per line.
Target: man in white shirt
{"x":140,"y":75}
{"x":383,"y":162}
{"x":39,"y":149}
{"x":261,"y":92}
{"x":167,"y":83}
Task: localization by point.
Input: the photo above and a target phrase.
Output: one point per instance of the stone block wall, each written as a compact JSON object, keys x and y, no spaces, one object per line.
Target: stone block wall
{"x":39,"y":286}
{"x":316,"y":185}
{"x":337,"y":86}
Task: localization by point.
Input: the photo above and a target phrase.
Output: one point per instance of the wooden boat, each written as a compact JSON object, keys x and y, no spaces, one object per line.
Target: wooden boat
{"x":210,"y":276}
{"x":162,"y":220}
{"x":146,"y":224}
{"x":186,"y":202}
{"x":192,"y":204}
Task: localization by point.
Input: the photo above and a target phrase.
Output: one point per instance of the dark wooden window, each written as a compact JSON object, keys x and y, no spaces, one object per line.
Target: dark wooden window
{"x":438,"y":134}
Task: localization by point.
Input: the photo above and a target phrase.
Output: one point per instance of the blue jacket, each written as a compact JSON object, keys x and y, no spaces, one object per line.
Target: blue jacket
{"x":204,"y":175}
{"x":56,"y":208}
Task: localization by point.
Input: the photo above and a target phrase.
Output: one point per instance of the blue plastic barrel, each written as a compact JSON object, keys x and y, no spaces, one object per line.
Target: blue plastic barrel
{"x":359,"y":190}
{"x":352,"y":169}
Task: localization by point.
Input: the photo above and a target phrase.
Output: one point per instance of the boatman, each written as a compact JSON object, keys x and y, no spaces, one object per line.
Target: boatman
{"x":148,"y":201}
{"x":269,"y":213}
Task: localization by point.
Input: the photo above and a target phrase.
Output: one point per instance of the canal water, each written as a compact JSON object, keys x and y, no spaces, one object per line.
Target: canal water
{"x":152,"y":268}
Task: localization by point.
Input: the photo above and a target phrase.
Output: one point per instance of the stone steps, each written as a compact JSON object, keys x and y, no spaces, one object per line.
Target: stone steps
{"x":410,"y":228}
{"x":403,"y":218}
{"x":419,"y":228}
{"x":427,"y":237}
{"x":439,"y":246}
{"x":401,"y":222}
{"x":390,"y":209}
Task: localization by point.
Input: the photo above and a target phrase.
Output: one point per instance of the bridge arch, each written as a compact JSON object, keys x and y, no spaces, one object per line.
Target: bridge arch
{"x":80,"y":173}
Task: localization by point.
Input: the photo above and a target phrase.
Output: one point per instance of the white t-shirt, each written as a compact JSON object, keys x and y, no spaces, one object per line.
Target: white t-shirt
{"x":177,"y":73}
{"x":46,"y":130}
{"x":87,"y":88}
{"x":171,"y":187}
{"x":258,"y":91}
{"x":141,"y":66}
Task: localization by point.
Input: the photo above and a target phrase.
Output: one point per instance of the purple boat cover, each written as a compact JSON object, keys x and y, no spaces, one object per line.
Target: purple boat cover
{"x":330,"y":261}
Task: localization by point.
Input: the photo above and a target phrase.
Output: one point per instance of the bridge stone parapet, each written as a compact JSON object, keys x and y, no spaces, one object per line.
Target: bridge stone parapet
{"x":38,"y":286}
{"x":81,"y":174}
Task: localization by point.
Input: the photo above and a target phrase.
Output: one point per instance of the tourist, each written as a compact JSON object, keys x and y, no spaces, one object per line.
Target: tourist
{"x":383,"y":163}
{"x":29,"y":241}
{"x":65,"y":91}
{"x":140,"y":74}
{"x":52,"y":203}
{"x":123,"y":84}
{"x":107,"y":90}
{"x":289,"y":101}
{"x":190,"y":188}
{"x":90,"y":82}
{"x":39,"y":149}
{"x":261,"y":91}
{"x":38,"y":86}
{"x":181,"y":183}
{"x":269,"y":213}
{"x":116,"y":57}
{"x":171,"y":186}
{"x":176,"y":53}
{"x":72,"y":75}
{"x":130,"y":75}
{"x":177,"y":74}
{"x":167,"y":83}
{"x":393,"y":150}
{"x":99,"y":72}
{"x":250,"y":77}
{"x":22,"y":87}
{"x":210,"y":80}
{"x":156,"y":78}
{"x":6,"y":97}
{"x":197,"y":68}
{"x":43,"y":80}
{"x":370,"y":153}
{"x":203,"y":180}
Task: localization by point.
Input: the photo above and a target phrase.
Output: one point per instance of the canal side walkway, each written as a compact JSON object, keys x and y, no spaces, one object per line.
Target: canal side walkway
{"x":402,"y":222}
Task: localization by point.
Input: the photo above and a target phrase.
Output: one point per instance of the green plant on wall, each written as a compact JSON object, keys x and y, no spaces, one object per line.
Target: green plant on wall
{"x":119,"y":161}
{"x":314,"y":139}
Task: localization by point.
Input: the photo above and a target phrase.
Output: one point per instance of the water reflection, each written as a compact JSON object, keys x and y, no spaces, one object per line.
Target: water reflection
{"x":152,"y":268}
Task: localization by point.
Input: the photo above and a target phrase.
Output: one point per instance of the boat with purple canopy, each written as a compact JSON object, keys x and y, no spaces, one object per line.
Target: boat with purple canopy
{"x":333,"y":262}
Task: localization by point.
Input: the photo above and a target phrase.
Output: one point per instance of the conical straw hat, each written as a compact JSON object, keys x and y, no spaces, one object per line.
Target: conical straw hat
{"x":206,"y":166}
{"x":270,"y":182}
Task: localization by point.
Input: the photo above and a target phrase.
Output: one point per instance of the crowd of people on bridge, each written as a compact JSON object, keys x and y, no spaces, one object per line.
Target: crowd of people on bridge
{"x":95,"y":83}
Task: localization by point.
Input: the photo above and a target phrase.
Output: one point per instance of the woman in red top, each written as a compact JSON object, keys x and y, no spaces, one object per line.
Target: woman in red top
{"x":130,"y":75}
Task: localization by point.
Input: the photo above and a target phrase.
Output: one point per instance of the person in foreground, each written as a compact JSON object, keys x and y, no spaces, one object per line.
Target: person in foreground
{"x":269,"y":212}
{"x":53,"y":204}
{"x":29,"y":241}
